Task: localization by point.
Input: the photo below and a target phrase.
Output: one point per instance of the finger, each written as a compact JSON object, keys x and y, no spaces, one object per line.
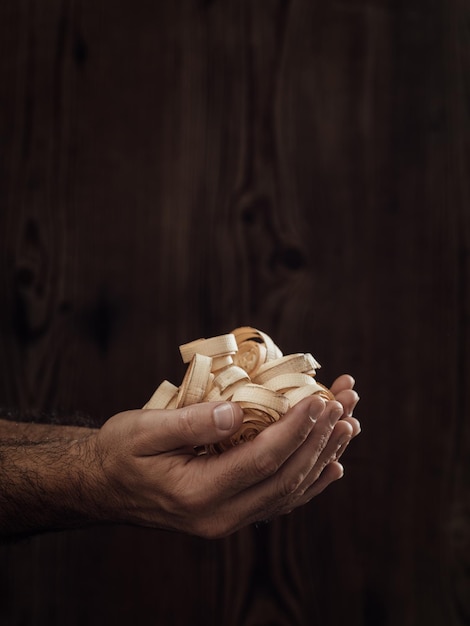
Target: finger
{"x":339,"y":438}
{"x":356,"y":429}
{"x":277,"y":493}
{"x":326,"y":437}
{"x":305,"y":474}
{"x":349,"y":399}
{"x":341,"y":383}
{"x":235,"y":478}
{"x":341,"y":449}
{"x":332,"y":472}
{"x":193,"y":425}
{"x":253,"y":462}
{"x":355,"y":424}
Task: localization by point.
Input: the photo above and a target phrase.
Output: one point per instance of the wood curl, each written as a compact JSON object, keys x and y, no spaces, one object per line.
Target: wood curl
{"x":246,"y":367}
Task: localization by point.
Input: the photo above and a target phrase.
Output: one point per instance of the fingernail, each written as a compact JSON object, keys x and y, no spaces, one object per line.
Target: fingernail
{"x":223,"y":416}
{"x":334,"y":417}
{"x":351,"y":409}
{"x":314,"y":413}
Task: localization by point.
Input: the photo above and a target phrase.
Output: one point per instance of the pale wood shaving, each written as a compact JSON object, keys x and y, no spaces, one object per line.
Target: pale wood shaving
{"x":246,"y":367}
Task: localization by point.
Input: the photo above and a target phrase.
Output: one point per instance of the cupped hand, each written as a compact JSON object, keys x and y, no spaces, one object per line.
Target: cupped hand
{"x":343,"y":390}
{"x":149,"y":473}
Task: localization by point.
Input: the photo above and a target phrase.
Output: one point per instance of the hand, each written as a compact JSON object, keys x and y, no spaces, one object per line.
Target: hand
{"x":342,"y":389}
{"x":149,"y":474}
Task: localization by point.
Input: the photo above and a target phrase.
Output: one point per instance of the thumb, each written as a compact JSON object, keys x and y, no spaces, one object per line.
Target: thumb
{"x":193,"y":425}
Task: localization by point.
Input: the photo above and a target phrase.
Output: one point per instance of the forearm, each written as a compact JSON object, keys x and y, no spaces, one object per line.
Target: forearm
{"x":36,"y":427}
{"x":29,"y":431}
{"x":48,"y":485}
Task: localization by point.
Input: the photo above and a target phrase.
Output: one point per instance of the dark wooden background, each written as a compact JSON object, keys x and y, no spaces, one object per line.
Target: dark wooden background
{"x":173,"y":169}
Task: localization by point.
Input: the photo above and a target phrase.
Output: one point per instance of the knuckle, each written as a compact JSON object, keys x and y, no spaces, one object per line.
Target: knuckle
{"x":137,"y":430}
{"x":266,"y":464}
{"x":290,"y":486}
{"x":302,"y":433}
{"x":187,"y":423}
{"x":323,"y":440}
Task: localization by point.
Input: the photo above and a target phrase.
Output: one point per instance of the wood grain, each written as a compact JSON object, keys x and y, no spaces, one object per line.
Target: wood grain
{"x":173,"y":170}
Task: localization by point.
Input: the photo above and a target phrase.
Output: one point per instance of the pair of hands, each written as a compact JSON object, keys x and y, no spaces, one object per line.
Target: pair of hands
{"x":149,"y":474}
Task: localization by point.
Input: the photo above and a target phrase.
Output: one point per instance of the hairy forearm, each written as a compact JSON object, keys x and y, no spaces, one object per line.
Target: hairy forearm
{"x":34,"y":426}
{"x":32,"y":432}
{"x":48,"y":478}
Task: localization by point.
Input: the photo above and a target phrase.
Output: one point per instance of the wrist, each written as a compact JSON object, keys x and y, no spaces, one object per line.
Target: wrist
{"x":97,"y":501}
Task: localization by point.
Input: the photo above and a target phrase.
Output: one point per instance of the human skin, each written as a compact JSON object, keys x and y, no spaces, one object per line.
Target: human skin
{"x":140,"y":468}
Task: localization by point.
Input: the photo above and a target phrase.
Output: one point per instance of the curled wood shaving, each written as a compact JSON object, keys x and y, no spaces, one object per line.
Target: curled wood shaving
{"x":247,"y":367}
